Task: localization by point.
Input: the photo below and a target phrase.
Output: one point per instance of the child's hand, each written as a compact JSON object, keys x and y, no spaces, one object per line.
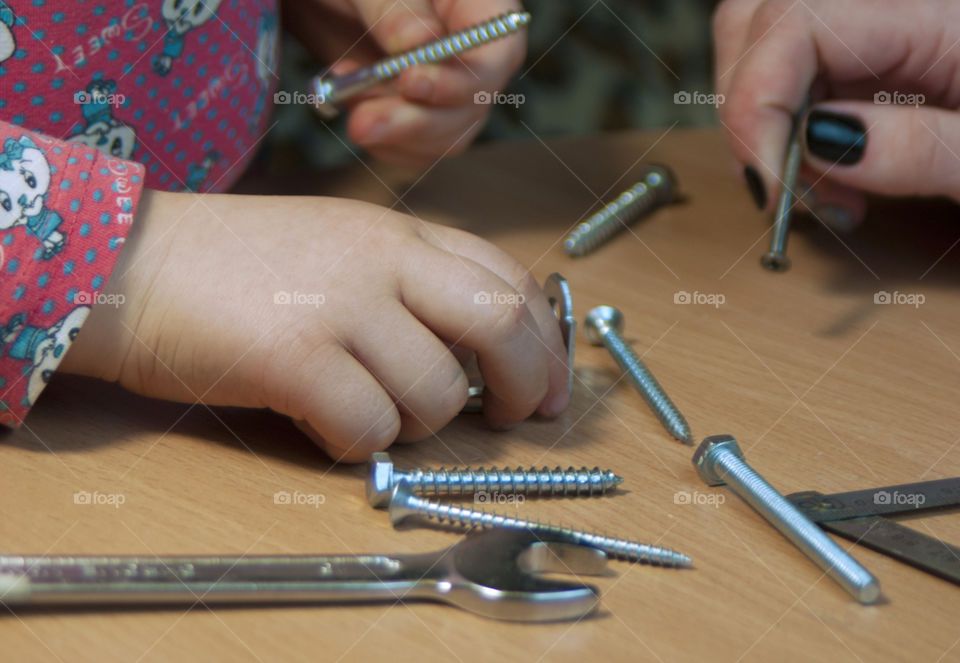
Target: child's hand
{"x":429,"y":111}
{"x":334,"y":312}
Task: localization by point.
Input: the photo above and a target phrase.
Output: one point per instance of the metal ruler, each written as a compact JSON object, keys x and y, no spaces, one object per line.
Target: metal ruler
{"x":860,"y":516}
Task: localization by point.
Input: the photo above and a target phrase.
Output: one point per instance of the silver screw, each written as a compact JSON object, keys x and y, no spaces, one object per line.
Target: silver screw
{"x":657,"y":187}
{"x":604,"y":326}
{"x":530,"y":481}
{"x":331,"y":92}
{"x":720,"y":461}
{"x":776,"y":259}
{"x":404,"y":504}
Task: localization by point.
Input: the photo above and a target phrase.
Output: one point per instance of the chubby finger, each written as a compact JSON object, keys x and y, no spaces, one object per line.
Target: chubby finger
{"x":422,"y":376}
{"x":348,"y":412}
{"x":731,"y":28}
{"x":839,"y":207}
{"x":465,"y":303}
{"x":511,"y":271}
{"x":890,"y":149}
{"x":400,"y":26}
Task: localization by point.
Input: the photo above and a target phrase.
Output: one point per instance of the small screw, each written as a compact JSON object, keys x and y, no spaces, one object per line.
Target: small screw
{"x":720,"y":461}
{"x":657,"y":187}
{"x":404,"y":504}
{"x":331,"y":92}
{"x":776,"y":259}
{"x":530,"y":481}
{"x":603,"y":326}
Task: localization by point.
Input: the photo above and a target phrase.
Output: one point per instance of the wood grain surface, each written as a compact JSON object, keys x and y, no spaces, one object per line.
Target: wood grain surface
{"x":824,"y":388}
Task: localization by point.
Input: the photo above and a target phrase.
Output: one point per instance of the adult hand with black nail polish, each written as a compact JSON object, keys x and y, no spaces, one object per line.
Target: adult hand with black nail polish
{"x":884,"y":77}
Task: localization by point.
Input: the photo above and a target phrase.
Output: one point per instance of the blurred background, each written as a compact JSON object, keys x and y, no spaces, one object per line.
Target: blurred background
{"x":592,"y":65}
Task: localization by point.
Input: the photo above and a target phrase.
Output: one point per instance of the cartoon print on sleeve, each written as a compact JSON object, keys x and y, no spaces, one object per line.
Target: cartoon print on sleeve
{"x":103,"y":131}
{"x":199,"y":172}
{"x":40,"y":348}
{"x":24,"y":181}
{"x":181,"y":16}
{"x":266,"y":62}
{"x":8,"y":44}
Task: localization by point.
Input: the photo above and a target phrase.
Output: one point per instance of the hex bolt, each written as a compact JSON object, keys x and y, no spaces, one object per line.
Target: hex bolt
{"x":604,"y":326}
{"x":521,"y":481}
{"x":657,"y":187}
{"x":776,"y":259}
{"x":331,"y":91}
{"x":720,"y":461}
{"x":404,"y":504}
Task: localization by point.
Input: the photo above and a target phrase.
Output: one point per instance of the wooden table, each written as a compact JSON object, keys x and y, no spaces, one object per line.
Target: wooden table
{"x":824,"y":389}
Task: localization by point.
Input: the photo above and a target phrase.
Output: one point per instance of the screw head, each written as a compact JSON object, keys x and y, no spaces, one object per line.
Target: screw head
{"x":600,"y":318}
{"x":401,"y":503}
{"x":703,"y":457}
{"x":323,"y":98}
{"x":380,"y":480}
{"x":662,"y":180}
{"x":775,"y":262}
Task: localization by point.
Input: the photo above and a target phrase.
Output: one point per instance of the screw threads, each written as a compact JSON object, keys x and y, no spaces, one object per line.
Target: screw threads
{"x":451,"y":45}
{"x":655,"y":188}
{"x":447,"y":513}
{"x":668,"y":413}
{"x":527,"y":481}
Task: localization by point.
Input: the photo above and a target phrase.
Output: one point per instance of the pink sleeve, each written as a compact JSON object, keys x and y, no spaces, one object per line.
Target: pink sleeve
{"x":65,"y":210}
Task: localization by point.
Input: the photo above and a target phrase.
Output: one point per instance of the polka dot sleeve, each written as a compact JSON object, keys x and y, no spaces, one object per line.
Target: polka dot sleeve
{"x":65,"y":210}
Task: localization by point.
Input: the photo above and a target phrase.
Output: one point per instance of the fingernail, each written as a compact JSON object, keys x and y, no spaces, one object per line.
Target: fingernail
{"x":755,"y":185}
{"x":840,"y":139}
{"x":420,"y":89}
{"x":376,"y":132}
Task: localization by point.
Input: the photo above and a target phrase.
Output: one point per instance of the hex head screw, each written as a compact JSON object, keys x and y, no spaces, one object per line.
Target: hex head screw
{"x":571,"y":482}
{"x":404,"y":504}
{"x":331,"y":91}
{"x":657,"y":187}
{"x":603,"y":326}
{"x":720,"y":461}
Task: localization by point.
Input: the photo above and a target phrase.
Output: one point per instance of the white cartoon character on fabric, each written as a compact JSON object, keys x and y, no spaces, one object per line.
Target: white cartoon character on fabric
{"x":181,"y":16}
{"x":24,"y":182}
{"x":42,"y":348}
{"x":103,"y":131}
{"x":8,"y":44}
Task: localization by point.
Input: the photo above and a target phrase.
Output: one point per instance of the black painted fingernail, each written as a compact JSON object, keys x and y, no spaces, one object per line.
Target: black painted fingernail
{"x":755,"y":184}
{"x":840,"y":139}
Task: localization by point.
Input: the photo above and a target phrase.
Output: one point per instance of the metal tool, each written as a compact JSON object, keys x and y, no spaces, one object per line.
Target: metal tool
{"x":331,"y":91}
{"x":404,"y":504}
{"x":859,"y":516}
{"x":488,"y":573}
{"x":521,"y":481}
{"x":557,"y":291}
{"x":776,"y":259}
{"x":720,"y":461}
{"x":604,"y":326}
{"x":657,"y":187}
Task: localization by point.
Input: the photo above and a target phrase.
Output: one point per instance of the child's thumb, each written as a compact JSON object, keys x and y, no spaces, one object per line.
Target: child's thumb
{"x":886,"y":147}
{"x":400,"y":26}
